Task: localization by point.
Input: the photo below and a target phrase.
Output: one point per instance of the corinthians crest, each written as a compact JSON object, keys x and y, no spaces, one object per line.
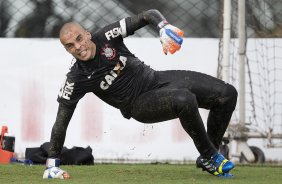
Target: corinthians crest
{"x":108,"y":52}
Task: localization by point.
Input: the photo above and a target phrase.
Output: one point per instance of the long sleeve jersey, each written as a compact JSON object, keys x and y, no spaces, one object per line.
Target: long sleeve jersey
{"x":115,"y":75}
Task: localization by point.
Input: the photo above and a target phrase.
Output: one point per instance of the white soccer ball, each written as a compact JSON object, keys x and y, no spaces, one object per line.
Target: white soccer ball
{"x":54,"y":172}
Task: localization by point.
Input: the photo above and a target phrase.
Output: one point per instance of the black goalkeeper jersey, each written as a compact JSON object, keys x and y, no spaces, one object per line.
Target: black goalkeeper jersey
{"x":115,"y":75}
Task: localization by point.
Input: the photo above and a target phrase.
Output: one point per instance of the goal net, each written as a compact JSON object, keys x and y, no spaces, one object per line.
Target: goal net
{"x":263,"y":69}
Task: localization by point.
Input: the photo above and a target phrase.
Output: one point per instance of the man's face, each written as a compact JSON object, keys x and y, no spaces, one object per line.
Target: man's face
{"x":77,"y":42}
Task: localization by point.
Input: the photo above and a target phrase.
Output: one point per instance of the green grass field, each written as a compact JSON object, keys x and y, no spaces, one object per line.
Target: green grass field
{"x":141,"y":173}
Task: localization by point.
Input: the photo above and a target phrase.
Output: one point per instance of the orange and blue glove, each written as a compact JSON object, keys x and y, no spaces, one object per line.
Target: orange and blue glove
{"x":171,"y":38}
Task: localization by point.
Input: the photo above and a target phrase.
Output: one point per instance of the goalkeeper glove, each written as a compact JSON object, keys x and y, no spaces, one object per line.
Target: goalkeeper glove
{"x":53,"y":171}
{"x":170,"y":37}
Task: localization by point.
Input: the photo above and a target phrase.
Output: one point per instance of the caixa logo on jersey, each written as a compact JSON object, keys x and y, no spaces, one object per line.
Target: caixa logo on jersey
{"x":113,"y":74}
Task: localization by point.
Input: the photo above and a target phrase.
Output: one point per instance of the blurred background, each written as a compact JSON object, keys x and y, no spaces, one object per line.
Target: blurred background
{"x":198,"y":18}
{"x":30,"y":83}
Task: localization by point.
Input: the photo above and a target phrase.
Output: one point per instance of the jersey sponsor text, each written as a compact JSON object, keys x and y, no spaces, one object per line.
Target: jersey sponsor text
{"x":115,"y":32}
{"x":66,"y":90}
{"x":114,"y":73}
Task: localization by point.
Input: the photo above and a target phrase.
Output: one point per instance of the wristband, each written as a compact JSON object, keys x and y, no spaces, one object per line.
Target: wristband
{"x":162,"y":24}
{"x":52,"y":162}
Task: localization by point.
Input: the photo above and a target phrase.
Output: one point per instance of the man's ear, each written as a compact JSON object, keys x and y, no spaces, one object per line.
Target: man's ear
{"x":88,"y":34}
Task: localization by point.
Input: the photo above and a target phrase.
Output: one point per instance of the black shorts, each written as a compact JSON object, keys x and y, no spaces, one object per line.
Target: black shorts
{"x":159,"y":104}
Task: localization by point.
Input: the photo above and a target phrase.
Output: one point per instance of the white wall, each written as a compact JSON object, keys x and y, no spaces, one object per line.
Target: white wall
{"x":32,"y":70}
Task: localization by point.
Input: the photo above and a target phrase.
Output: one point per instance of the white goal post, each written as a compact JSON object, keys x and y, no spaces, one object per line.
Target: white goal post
{"x":252,"y":62}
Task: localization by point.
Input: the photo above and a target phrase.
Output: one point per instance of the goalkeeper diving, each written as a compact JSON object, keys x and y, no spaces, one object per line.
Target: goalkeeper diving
{"x":105,"y":66}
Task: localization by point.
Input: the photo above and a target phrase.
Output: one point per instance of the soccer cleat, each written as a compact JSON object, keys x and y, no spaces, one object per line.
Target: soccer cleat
{"x":217,"y":165}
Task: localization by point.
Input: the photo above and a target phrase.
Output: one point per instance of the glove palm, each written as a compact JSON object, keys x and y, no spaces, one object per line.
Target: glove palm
{"x":171,"y":38}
